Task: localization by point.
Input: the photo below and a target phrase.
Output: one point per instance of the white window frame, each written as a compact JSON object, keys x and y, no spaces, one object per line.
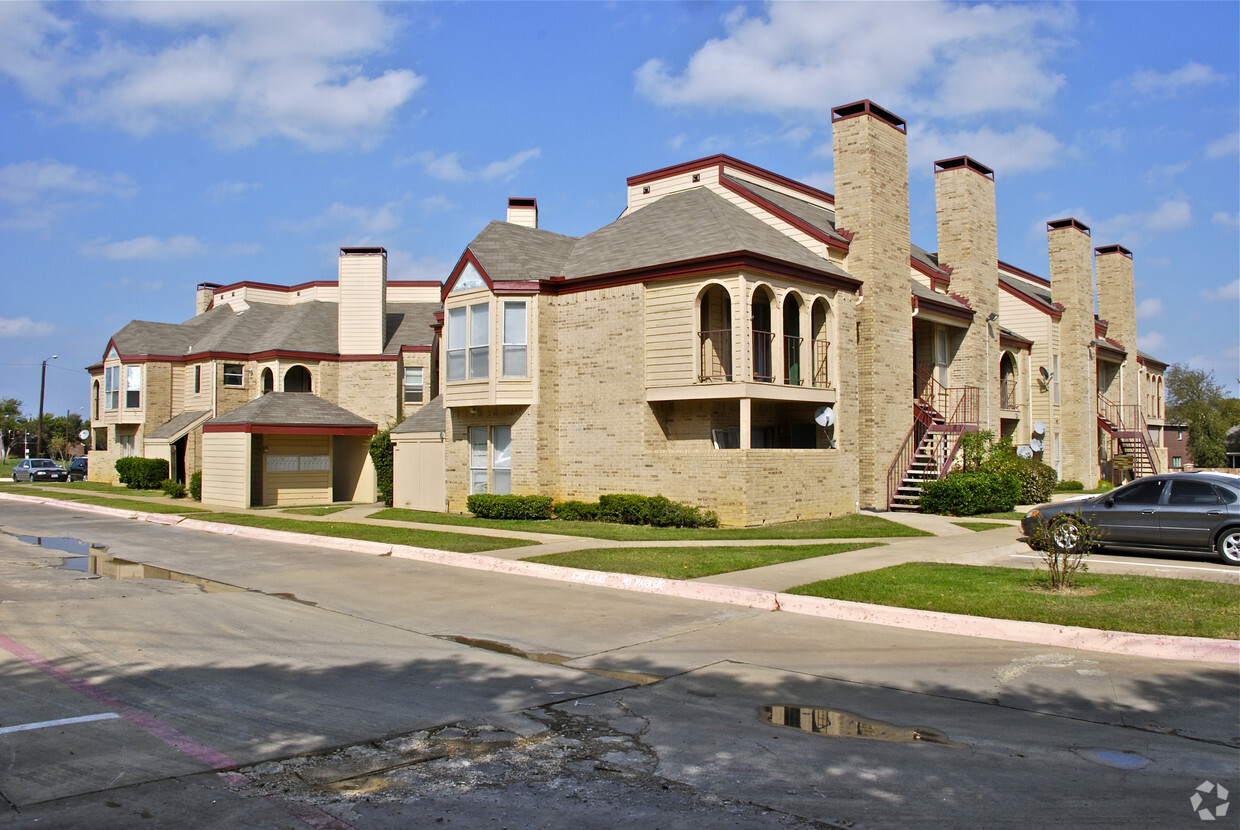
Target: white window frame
{"x":516,"y":321}
{"x":501,"y":460}
{"x":133,"y":387}
{"x":112,"y":388}
{"x":479,"y":341}
{"x":478,"y":457}
{"x":456,"y":343}
{"x":490,"y":460}
{"x":413,"y":392}
{"x":240,"y":375}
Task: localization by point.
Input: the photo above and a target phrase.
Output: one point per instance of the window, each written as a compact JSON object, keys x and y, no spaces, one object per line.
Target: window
{"x":1055,"y":377}
{"x":493,"y":461}
{"x":515,"y":340}
{"x":413,"y":384}
{"x":112,"y":387}
{"x":1141,"y":492}
{"x":234,"y":374}
{"x":197,"y":379}
{"x":456,"y":344}
{"x":101,"y":438}
{"x":133,"y":387}
{"x":125,"y":440}
{"x":479,"y":341}
{"x":1193,"y":492}
{"x":1177,"y":463}
{"x":469,"y":341}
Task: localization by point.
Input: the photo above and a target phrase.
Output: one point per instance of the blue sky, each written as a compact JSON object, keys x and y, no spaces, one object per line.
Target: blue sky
{"x":146,"y":148}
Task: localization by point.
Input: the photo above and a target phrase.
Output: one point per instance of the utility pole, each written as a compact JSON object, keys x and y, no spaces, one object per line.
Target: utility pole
{"x":38,"y":441}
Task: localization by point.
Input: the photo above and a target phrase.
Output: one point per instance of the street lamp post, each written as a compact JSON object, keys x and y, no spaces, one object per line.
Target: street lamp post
{"x":38,"y":441}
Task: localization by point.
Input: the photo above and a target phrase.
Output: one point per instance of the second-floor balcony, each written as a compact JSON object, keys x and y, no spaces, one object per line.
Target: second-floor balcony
{"x":1008,"y":394}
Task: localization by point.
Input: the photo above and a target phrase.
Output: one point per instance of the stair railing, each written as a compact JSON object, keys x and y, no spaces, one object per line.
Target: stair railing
{"x":904,"y":458}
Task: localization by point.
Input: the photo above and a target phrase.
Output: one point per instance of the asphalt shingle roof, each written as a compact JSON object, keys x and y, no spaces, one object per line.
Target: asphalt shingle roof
{"x":179,"y":424}
{"x":292,"y":409}
{"x":430,"y":418}
{"x":818,"y":217}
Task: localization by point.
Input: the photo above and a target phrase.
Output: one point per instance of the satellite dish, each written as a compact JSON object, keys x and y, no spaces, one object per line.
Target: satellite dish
{"x":1024,"y":451}
{"x":1036,"y":444}
{"x":824,"y":417}
{"x":1039,"y":428}
{"x":1045,"y":374}
{"x":84,"y":434}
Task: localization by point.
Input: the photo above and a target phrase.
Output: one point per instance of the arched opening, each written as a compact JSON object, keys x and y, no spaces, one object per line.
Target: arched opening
{"x":94,"y":399}
{"x":1007,"y":381}
{"x":821,"y":322}
{"x":793,"y":341}
{"x":297,"y":379}
{"x":715,"y":334}
{"x":269,"y":381}
{"x":763,"y":335}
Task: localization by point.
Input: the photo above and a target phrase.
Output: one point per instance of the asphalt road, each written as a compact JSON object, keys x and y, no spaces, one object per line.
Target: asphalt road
{"x":237,"y":683}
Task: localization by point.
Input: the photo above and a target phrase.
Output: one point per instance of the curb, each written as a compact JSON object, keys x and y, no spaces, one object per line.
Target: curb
{"x":1161,"y":647}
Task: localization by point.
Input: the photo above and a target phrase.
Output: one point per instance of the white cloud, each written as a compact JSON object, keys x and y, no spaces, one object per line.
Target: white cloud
{"x":358,"y":220}
{"x":1150,"y":341}
{"x":403,"y":265}
{"x":1130,"y":229}
{"x":42,"y":190}
{"x":1227,"y":220}
{"x":1229,"y":293}
{"x":24,"y":327}
{"x":227,"y":191}
{"x":1162,"y":175}
{"x":1149,"y":309}
{"x":448,"y":167}
{"x":1015,"y":151}
{"x":242,"y":248}
{"x":239,"y":71}
{"x":1228,"y":145}
{"x":940,"y":58}
{"x":1151,"y":83}
{"x":147,"y":247}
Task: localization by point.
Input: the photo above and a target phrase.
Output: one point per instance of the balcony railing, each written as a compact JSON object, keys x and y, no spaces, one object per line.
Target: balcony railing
{"x":792,"y":359}
{"x":763,"y":368}
{"x":715,"y":362}
{"x":1007,"y":394}
{"x":822,"y":380}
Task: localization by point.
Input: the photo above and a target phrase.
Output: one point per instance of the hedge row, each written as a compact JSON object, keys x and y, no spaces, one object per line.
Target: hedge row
{"x":142,"y":473}
{"x":967,"y":494}
{"x":625,"y":508}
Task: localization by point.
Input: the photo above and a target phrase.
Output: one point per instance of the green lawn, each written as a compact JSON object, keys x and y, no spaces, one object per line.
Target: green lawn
{"x":1141,"y":604}
{"x":70,"y":493}
{"x":326,"y":510}
{"x":979,"y":526}
{"x":688,"y":563}
{"x":459,"y":542}
{"x":856,"y":526}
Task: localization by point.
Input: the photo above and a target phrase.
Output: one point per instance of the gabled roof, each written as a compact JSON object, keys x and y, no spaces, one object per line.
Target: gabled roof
{"x":182,"y":423}
{"x":820,"y":218}
{"x":429,"y":418}
{"x":291,"y":409}
{"x":515,"y":253}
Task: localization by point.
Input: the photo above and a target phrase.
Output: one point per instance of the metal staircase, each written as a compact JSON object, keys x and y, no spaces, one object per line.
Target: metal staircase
{"x":930,"y":448}
{"x":1129,"y":433}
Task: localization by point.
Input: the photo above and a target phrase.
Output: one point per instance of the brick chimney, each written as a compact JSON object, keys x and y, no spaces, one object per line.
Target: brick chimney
{"x":871,"y":201}
{"x":362,"y":313}
{"x":1072,"y":286}
{"x":1118,"y":306}
{"x":964,"y":193}
{"x":204,"y":297}
{"x":523,"y":212}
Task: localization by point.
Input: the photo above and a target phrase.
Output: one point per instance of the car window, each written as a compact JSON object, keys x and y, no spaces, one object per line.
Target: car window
{"x":1225,"y":496}
{"x":1193,"y":492}
{"x":1140,"y":492}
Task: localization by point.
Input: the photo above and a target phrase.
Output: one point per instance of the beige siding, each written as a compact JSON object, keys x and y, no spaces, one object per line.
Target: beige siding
{"x":671,"y":327}
{"x":362,"y":309}
{"x":302,"y":487}
{"x":418,"y":473}
{"x":226,"y":469}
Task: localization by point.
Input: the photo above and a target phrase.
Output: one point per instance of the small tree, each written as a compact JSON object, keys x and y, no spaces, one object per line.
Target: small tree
{"x":1064,"y":543}
{"x":381,"y":454}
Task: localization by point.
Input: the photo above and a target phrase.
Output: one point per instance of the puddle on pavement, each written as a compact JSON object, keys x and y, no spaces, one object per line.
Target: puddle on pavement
{"x":1114,"y":758}
{"x":836,"y":723}
{"x":551,"y":659}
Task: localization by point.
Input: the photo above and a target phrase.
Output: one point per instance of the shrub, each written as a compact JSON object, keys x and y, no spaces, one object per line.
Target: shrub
{"x":195,"y":485}
{"x":967,"y":494}
{"x":577,"y":511}
{"x":381,"y":455}
{"x":633,"y":509}
{"x":488,"y":506}
{"x":142,"y":473}
{"x":1063,"y":544}
{"x":173,"y":489}
{"x":624,"y":508}
{"x":1037,"y":480}
{"x":1064,"y":486}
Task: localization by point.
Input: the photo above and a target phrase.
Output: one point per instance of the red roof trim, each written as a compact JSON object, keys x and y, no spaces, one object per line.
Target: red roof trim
{"x":416,"y":349}
{"x":1020,"y":272}
{"x":798,"y":223}
{"x":724,"y":161}
{"x":1014,"y":340}
{"x":699,"y":267}
{"x":467,"y":257}
{"x":274,"y":354}
{"x":935,"y":276}
{"x":1054,"y":310}
{"x":946,"y":309}
{"x":289,"y":429}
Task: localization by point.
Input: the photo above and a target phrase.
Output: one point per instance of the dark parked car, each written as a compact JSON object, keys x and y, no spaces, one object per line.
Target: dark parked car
{"x":39,"y":469}
{"x":1176,"y":511}
{"x":77,"y":468}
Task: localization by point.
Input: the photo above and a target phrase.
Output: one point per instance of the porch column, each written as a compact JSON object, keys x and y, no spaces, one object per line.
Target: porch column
{"x":746,"y":421}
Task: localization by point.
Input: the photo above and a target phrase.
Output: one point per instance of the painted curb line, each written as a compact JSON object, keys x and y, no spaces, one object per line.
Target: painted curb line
{"x":1161,"y":647}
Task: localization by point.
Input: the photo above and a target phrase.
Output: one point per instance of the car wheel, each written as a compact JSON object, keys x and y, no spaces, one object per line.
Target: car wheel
{"x":1066,"y":536}
{"x":1228,"y":546}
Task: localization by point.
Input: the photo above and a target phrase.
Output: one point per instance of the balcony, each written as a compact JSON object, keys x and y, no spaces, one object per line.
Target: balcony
{"x":1007,"y":394}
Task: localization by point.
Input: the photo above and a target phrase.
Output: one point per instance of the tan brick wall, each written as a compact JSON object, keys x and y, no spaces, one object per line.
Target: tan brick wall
{"x":369,"y":388}
{"x":1117,"y":305}
{"x":871,"y":198}
{"x":968,"y":243}
{"x":1071,"y":268}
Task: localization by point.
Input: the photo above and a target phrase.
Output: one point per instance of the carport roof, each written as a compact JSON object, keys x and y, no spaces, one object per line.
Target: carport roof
{"x":292,"y":412}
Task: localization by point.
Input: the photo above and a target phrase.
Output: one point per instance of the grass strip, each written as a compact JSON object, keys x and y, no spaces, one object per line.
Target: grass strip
{"x":316,"y":511}
{"x":688,"y":563}
{"x":1140,"y":604}
{"x":856,"y":526}
{"x":458,"y":542}
{"x":979,"y":526}
{"x":120,"y":503}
